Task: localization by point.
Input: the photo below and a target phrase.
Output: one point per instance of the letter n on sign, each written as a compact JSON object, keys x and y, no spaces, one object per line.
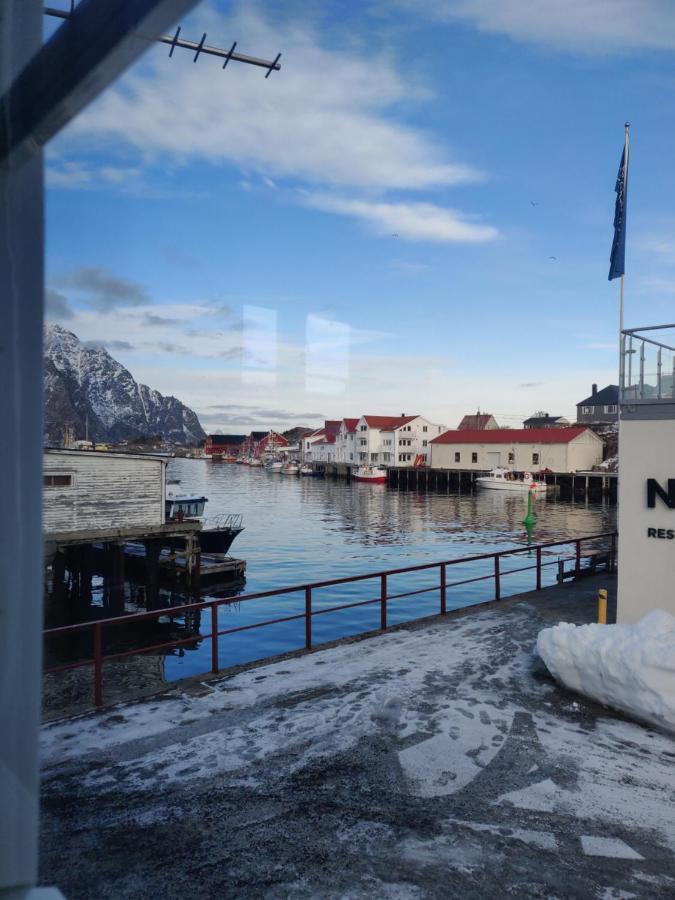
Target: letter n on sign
{"x":655,"y":490}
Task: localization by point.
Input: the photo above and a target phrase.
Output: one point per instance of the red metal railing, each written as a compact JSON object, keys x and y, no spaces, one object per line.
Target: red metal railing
{"x":309,"y":613}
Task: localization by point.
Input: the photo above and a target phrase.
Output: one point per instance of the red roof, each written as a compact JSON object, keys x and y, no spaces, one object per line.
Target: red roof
{"x":332,"y":426}
{"x":388,"y":422}
{"x":328,"y":439}
{"x":350,"y":424}
{"x":474,"y":423}
{"x":511,"y":436}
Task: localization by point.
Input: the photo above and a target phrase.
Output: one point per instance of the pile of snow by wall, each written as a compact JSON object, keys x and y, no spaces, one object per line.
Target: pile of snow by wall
{"x":628,"y":667}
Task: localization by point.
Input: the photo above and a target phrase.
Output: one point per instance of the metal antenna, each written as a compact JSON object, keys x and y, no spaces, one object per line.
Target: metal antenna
{"x":193,"y":46}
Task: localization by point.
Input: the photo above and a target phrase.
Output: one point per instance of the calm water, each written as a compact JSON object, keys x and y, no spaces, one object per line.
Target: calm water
{"x":299,"y":530}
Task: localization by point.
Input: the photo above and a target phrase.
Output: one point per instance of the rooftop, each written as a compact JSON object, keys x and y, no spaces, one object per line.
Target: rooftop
{"x":608,"y":396}
{"x":476,"y":422}
{"x":512,"y":436}
{"x":434,"y":760}
{"x":388,"y":422}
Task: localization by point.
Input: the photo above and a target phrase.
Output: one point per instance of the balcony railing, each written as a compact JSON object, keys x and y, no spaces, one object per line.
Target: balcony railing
{"x":648,"y":364}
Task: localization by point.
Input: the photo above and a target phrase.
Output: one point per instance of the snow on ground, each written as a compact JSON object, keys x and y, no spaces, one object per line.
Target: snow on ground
{"x":629,"y":667}
{"x":433,"y":756}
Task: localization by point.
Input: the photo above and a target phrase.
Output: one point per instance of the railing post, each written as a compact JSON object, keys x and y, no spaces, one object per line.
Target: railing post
{"x":383,"y":602}
{"x":214,"y":638}
{"x":538,"y":568}
{"x":308,"y":618}
{"x":443,"y":609}
{"x":497,"y":584}
{"x":577,"y":558}
{"x":98,"y":666}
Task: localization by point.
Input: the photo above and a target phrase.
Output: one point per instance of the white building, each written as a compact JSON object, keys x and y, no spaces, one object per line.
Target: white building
{"x":394,"y":440}
{"x":315,"y":446}
{"x":345,"y":442}
{"x":521,"y":449}
{"x":85,"y":490}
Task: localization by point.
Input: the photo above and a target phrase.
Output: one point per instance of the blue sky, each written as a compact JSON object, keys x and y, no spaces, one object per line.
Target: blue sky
{"x":371,"y":228}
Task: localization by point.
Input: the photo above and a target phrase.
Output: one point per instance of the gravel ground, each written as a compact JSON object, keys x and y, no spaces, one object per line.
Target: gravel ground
{"x":437,"y":760}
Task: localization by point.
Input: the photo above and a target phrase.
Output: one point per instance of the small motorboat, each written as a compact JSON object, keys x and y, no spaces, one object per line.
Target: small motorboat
{"x":217,"y":534}
{"x":506,"y":480}
{"x":254,"y":461}
{"x":275,"y":466}
{"x":373,"y":474}
{"x":290,"y":468}
{"x":308,"y":470}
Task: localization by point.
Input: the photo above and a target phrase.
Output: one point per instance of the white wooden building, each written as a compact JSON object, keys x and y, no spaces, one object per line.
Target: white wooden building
{"x":345,"y":442}
{"x":319,"y":446}
{"x":394,"y":440}
{"x":89,"y":490}
{"x":521,"y":449}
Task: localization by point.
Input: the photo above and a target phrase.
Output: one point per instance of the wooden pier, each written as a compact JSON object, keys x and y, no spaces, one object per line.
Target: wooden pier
{"x":579,"y":485}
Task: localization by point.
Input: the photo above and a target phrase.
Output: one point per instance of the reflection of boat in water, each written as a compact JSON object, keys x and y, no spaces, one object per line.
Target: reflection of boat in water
{"x":217,"y":534}
{"x":308,"y":470}
{"x":505,"y":480}
{"x":373,"y":474}
{"x":290,"y":468}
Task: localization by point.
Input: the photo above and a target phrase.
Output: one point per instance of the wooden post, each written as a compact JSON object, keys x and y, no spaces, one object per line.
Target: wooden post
{"x":383,"y":602}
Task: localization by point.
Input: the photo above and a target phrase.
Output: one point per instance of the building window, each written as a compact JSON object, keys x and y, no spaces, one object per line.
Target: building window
{"x":474,"y":457}
{"x":424,"y":443}
{"x":610,"y":409}
{"x":363,"y":442}
{"x":351,"y":456}
{"x":363,"y":428}
{"x":586,"y":410}
{"x":457,"y":457}
{"x":57,"y":481}
{"x":512,"y":457}
{"x":373,"y":457}
{"x":424,"y":427}
{"x":535,"y":459}
{"x":363,"y":456}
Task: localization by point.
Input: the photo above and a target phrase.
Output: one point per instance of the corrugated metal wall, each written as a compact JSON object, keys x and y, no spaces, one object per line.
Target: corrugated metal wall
{"x":106,"y":491}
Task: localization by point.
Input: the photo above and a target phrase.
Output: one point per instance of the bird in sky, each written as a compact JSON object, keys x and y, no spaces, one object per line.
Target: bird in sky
{"x":532,"y":203}
{"x":395,"y":234}
{"x":553,"y":257}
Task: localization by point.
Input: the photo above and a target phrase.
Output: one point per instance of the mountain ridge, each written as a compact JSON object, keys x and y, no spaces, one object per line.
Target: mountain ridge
{"x":88,"y":389}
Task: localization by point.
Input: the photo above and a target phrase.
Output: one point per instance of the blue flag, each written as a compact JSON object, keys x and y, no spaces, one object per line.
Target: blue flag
{"x":617,"y":258}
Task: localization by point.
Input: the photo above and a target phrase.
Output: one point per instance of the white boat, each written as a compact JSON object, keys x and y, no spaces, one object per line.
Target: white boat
{"x":275,"y":466}
{"x":505,"y":480}
{"x":309,"y":470}
{"x":290,"y":468}
{"x":254,"y":461}
{"x":373,"y":474}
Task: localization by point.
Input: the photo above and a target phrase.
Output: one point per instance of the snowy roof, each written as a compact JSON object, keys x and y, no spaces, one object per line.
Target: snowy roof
{"x":513,"y":436}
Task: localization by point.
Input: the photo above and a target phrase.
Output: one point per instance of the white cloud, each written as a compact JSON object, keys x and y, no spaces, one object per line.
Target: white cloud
{"x":409,"y":221}
{"x":592,"y":26}
{"x":78,"y":174}
{"x":328,"y":116}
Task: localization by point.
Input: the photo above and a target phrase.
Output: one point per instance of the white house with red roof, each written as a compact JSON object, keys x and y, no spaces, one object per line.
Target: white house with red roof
{"x":345,"y":446}
{"x":520,"y":449}
{"x":319,"y":446}
{"x":394,"y":440}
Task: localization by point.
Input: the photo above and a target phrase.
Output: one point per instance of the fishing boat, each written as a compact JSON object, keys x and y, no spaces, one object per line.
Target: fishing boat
{"x":254,"y":461}
{"x":290,"y":468}
{"x":373,"y":474}
{"x":309,"y":470}
{"x":218,"y":532}
{"x":506,"y":480}
{"x":275,"y":466}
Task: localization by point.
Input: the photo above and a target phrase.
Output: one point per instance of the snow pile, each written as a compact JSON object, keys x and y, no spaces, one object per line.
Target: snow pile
{"x":628,"y":667}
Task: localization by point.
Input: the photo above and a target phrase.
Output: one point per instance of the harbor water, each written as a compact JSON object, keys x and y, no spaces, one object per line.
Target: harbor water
{"x":304,"y":529}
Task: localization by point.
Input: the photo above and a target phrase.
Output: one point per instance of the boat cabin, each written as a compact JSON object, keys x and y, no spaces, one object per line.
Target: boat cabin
{"x":184,"y":507}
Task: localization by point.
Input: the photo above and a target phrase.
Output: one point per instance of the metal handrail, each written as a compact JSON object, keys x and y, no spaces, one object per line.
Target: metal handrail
{"x":497,"y":574}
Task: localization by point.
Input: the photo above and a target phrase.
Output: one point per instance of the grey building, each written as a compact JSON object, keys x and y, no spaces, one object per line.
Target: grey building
{"x":546,"y":421}
{"x":600,"y":408}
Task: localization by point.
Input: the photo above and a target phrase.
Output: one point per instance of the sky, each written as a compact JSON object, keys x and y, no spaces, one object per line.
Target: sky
{"x":414,"y":215}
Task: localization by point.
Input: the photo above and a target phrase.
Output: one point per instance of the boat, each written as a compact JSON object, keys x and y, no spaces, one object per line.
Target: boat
{"x":290,"y":468}
{"x":506,"y":480}
{"x":309,"y":470}
{"x":373,"y":474}
{"x":254,"y":461}
{"x":275,"y":466}
{"x":218,"y":532}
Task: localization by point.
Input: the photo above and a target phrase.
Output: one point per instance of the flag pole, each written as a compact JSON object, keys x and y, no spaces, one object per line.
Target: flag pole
{"x":626,"y":150}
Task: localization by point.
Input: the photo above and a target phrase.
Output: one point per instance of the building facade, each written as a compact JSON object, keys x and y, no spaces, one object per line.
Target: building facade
{"x":600,"y":408}
{"x":394,"y":440}
{"x":85,"y":490}
{"x":544,"y":420}
{"x":520,"y":449}
{"x":224,"y":445}
{"x":478,"y":422}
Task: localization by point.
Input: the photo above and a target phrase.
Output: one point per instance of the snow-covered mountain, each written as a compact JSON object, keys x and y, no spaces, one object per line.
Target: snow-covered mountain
{"x":86,"y":388}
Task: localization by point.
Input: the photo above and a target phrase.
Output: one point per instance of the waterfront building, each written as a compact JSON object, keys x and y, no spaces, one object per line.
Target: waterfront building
{"x":310,"y":441}
{"x":544,"y":420}
{"x":478,"y":422}
{"x":84,"y":490}
{"x":259,"y":443}
{"x":601,"y":408}
{"x":394,"y":440}
{"x":521,"y":449}
{"x":345,"y":449}
{"x":224,"y":445}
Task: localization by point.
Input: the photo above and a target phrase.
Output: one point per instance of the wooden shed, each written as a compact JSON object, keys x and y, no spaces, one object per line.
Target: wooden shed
{"x":88,"y":490}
